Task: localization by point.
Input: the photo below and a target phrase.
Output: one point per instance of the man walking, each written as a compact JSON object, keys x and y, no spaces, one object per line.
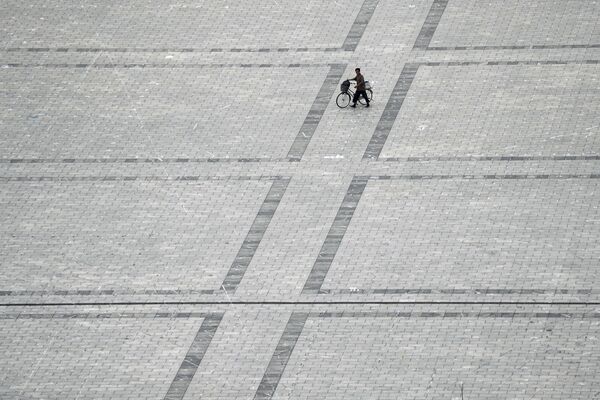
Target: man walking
{"x":360,"y":88}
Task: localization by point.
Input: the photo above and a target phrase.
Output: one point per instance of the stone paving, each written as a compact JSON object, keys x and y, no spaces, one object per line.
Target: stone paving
{"x":185,"y":212}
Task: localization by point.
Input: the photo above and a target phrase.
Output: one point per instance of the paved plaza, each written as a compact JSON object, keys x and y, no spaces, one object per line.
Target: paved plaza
{"x":185,"y":213}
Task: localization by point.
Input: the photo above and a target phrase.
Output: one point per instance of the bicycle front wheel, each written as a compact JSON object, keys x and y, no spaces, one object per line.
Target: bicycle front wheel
{"x":343,"y":100}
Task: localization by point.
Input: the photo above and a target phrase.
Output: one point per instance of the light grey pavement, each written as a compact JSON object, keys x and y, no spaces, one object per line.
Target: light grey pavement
{"x":185,"y":212}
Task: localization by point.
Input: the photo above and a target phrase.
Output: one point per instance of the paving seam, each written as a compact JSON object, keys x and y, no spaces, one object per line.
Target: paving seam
{"x":425,"y":36}
{"x":112,"y":315}
{"x":492,"y":158}
{"x":159,"y":65}
{"x":262,"y":65}
{"x":516,"y":47}
{"x":168,"y":49}
{"x":319,"y":314}
{"x":453,"y":291}
{"x":263,"y":178}
{"x":112,"y":178}
{"x":300,"y":303}
{"x":183,"y":160}
{"x":348,"y":291}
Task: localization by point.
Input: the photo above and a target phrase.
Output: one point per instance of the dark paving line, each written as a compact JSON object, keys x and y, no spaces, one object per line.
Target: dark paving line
{"x":518,"y":47}
{"x":354,"y":291}
{"x":390,"y":113}
{"x":182,"y":160}
{"x":173,"y":65}
{"x":155,"y":65}
{"x":335,"y":235}
{"x":265,"y":177}
{"x":279,"y":359}
{"x":136,"y":178}
{"x":292,"y":303}
{"x":108,"y":292}
{"x":451,"y":314}
{"x":484,"y":292}
{"x":514,"y":62}
{"x":386,"y":291}
{"x":492,"y":158}
{"x":133,"y":160}
{"x":320,"y":314}
{"x":484,"y":177}
{"x":309,"y":126}
{"x":255,"y":234}
{"x":431,"y":23}
{"x":99,"y":315}
{"x":165,"y":49}
{"x":360,"y":24}
{"x":193,"y":358}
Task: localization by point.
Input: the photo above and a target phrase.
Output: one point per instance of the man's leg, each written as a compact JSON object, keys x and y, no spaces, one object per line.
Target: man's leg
{"x":355,"y":98}
{"x":364,"y":94}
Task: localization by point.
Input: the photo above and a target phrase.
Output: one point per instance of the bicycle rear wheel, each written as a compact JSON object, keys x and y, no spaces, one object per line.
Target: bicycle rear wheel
{"x":362,"y":101}
{"x":343,"y":100}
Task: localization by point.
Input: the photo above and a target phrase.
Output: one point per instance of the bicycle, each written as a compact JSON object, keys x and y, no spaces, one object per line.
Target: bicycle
{"x":345,"y":97}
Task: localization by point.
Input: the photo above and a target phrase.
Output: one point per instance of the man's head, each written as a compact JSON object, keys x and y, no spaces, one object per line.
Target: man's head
{"x":357,"y":70}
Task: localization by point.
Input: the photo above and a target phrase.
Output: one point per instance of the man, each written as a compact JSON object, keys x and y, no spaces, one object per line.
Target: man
{"x":360,"y":88}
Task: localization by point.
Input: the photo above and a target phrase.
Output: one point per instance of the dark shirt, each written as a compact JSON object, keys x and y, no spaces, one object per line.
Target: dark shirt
{"x":360,"y":81}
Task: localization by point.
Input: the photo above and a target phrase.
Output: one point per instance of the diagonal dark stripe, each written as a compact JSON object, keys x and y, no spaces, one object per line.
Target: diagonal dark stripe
{"x":336,"y":234}
{"x":390,"y":113}
{"x":431,"y":23}
{"x":255,"y":234}
{"x":316,"y":112}
{"x":281,"y":356}
{"x":360,"y":24}
{"x":194,"y":356}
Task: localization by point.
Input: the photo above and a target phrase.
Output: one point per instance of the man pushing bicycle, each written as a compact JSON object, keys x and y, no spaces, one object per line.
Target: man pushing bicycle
{"x":361,"y":90}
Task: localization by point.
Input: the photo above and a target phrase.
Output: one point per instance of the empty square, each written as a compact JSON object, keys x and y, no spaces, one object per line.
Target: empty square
{"x":127,"y":235}
{"x":424,"y":358}
{"x":471,"y":234}
{"x":203,"y":24}
{"x":518,"y":23}
{"x":154,"y":112}
{"x":499,"y":110}
{"x":92,"y":358}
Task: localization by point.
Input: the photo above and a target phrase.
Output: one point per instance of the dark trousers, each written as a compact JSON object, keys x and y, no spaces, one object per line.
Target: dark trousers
{"x":359,"y":93}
